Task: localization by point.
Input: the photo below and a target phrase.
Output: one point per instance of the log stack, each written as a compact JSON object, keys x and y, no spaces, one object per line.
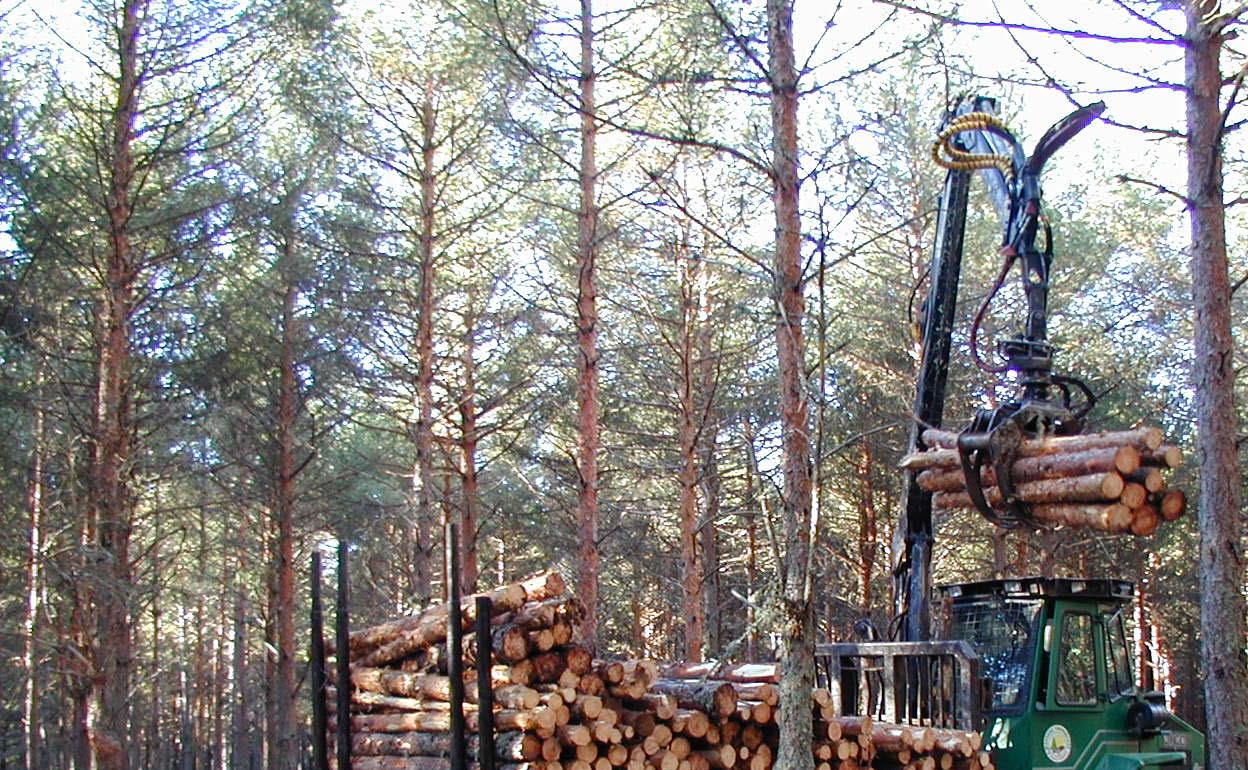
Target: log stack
{"x":556,"y":708}
{"x":1111,"y":482}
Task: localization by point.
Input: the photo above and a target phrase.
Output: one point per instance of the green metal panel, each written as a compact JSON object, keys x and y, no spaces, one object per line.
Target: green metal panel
{"x":1050,"y":735}
{"x":1142,"y":760}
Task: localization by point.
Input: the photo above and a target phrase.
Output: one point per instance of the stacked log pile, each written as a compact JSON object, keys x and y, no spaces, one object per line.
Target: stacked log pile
{"x":1111,"y":482}
{"x":556,"y":708}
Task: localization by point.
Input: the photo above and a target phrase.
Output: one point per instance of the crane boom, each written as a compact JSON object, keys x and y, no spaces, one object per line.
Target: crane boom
{"x":975,"y":140}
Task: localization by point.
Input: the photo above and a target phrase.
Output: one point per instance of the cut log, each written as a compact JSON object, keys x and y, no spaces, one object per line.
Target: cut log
{"x":741,"y":672}
{"x":1164,"y":457}
{"x":578,"y":659}
{"x":720,"y":757}
{"x":419,"y":721}
{"x":512,"y":746}
{"x":717,"y":699}
{"x":1145,"y":438}
{"x":642,"y":722}
{"x":1101,"y":486}
{"x":591,"y":684}
{"x":949,"y":478}
{"x":1150,"y":478}
{"x":541,"y":640}
{"x":1144,"y":520}
{"x":587,"y":707}
{"x":612,"y":672}
{"x":547,"y":666}
{"x":434,"y":687}
{"x":1106,"y":517}
{"x":1133,"y":495}
{"x":765,"y":692}
{"x":663,"y":706}
{"x":692,"y":723}
{"x":1171,"y":505}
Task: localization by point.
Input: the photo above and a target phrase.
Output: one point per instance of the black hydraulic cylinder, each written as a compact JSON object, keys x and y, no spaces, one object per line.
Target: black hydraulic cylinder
{"x":485,"y":690}
{"x":342,"y":650}
{"x":316,"y":654}
{"x":912,"y":594}
{"x":455,"y":662}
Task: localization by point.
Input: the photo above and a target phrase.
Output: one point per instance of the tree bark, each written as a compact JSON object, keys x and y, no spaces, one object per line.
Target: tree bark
{"x":112,"y":497}
{"x":283,"y":744}
{"x":34,"y":560}
{"x":1222,"y":606}
{"x":708,"y":434}
{"x":587,"y":339}
{"x":424,"y":517}
{"x":240,"y":739}
{"x":867,"y":527}
{"x":687,"y":438}
{"x":796,"y":612}
{"x":751,"y":543}
{"x":468,"y":452}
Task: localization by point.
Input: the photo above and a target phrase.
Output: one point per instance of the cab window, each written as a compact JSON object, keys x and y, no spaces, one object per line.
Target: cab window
{"x":1119,"y":658}
{"x":1076,"y":670}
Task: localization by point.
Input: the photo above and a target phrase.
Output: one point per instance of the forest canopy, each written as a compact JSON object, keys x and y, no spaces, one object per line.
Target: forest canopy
{"x":277,"y":275}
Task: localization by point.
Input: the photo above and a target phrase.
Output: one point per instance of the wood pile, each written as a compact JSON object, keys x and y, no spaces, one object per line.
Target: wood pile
{"x":557,"y":708}
{"x":1112,"y":482}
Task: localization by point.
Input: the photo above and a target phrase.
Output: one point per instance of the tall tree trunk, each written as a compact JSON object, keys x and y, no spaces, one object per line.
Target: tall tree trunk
{"x":708,"y":440}
{"x":240,"y":736}
{"x":283,"y":742}
{"x":424,"y":517}
{"x":587,"y":340}
{"x":709,"y":531}
{"x":112,"y":659}
{"x":271,"y":703}
{"x":34,"y":560}
{"x":797,"y":608}
{"x":152,"y":742}
{"x":687,"y":438}
{"x":1143,"y":645}
{"x":751,"y":544}
{"x":1222,"y":569}
{"x":468,"y":452}
{"x":867,"y":528}
{"x":218,"y":683}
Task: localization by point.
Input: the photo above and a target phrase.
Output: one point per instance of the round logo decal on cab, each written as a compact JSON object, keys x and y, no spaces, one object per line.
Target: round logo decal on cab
{"x":1057,"y":743}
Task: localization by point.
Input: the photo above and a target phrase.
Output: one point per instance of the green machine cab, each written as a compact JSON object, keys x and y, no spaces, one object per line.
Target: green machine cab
{"x":1055,"y":662}
{"x":1040,"y":666}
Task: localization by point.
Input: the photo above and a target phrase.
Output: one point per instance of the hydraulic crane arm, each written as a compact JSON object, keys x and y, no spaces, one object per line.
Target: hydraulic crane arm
{"x":974,"y":140}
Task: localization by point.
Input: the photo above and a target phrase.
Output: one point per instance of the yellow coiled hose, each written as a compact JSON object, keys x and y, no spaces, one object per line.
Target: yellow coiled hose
{"x":947,"y":155}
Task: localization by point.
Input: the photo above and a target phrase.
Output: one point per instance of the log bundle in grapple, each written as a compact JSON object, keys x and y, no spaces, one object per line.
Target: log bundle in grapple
{"x":1112,"y":482}
{"x":557,"y":708}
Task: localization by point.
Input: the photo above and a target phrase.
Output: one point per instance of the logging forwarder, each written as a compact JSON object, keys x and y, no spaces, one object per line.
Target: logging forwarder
{"x":1041,"y":665}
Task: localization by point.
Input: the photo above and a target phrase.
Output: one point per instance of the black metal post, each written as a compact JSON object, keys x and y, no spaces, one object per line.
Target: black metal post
{"x":455,"y":662}
{"x":342,"y":645}
{"x":485,"y":690}
{"x":320,"y":745}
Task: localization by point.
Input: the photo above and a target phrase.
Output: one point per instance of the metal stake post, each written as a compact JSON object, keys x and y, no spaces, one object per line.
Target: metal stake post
{"x":344,"y":664}
{"x":485,"y":692}
{"x":455,"y":664}
{"x":320,"y":747}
